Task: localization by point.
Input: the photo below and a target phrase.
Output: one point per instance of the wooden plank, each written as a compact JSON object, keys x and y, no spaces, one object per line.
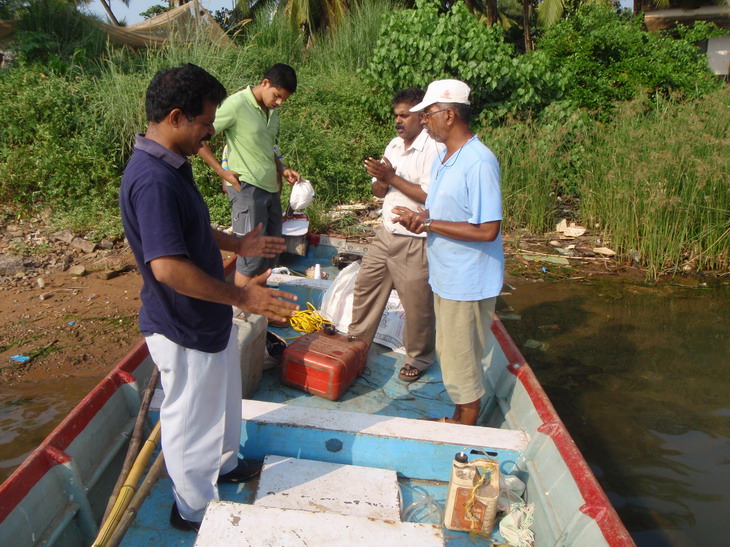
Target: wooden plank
{"x":383,"y":426}
{"x":227,"y":524}
{"x":413,"y":448}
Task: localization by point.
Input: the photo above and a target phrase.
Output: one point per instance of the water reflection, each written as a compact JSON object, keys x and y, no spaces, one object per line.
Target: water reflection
{"x":639,"y":376}
{"x":30,"y":411}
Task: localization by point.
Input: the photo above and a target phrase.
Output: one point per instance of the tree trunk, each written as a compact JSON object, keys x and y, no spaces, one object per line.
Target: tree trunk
{"x":526,"y":15}
{"x":108,"y":10}
{"x":492,"y":17}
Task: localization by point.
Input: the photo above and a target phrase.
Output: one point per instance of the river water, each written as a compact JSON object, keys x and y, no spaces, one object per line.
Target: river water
{"x":638,"y":373}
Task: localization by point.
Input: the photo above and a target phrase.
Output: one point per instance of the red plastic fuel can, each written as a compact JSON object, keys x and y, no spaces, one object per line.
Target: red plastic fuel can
{"x":323,"y":364}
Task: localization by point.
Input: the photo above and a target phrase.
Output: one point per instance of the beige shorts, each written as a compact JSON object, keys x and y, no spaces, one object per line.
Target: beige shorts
{"x":462,"y":331}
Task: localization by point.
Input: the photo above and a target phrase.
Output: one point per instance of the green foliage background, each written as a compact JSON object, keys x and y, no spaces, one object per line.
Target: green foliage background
{"x":604,"y":123}
{"x":424,"y":44}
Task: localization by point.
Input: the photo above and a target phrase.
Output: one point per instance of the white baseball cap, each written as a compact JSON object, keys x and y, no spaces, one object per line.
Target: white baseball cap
{"x":444,"y":91}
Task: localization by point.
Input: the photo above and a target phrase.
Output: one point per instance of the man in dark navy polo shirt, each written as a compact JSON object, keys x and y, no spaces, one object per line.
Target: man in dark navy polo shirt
{"x":186,"y":314}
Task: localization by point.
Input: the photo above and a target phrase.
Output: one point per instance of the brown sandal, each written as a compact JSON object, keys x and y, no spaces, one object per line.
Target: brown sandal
{"x":404,"y":375}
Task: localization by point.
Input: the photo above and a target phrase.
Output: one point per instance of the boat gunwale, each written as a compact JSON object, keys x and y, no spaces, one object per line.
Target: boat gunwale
{"x":597,"y":505}
{"x":51,"y":451}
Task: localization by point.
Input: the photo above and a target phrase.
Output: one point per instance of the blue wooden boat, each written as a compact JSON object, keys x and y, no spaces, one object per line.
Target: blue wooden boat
{"x":59,"y":494}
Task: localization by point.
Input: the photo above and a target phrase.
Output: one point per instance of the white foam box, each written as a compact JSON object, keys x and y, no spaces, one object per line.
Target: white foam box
{"x":289,"y":483}
{"x":252,"y":350}
{"x":306,"y":289}
{"x":294,"y":230}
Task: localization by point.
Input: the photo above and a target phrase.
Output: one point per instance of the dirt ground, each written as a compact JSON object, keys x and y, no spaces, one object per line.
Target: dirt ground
{"x":68,"y":307}
{"x":57,"y":321}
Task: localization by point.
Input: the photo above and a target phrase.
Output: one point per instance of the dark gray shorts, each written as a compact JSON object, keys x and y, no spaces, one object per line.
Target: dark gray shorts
{"x":249,"y":207}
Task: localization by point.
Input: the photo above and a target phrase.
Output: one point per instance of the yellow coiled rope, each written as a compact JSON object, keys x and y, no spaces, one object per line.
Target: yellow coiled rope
{"x":308,"y":320}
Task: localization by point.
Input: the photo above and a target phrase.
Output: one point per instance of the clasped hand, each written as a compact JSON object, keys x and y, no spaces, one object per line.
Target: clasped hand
{"x":382,"y":169}
{"x":411,"y":220}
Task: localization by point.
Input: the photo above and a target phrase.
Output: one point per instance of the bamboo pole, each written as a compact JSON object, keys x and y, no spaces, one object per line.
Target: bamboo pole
{"x":135,"y":441}
{"x":131,"y":513}
{"x":128,"y":489}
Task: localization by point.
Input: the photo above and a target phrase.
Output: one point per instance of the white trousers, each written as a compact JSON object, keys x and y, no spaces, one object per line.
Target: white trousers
{"x":200,"y":418}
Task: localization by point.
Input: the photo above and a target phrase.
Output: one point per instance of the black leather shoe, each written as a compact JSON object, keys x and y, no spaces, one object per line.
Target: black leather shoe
{"x":180,"y":523}
{"x":245,"y":470}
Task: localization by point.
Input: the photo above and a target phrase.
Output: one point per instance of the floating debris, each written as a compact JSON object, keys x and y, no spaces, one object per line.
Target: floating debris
{"x":536,"y":344}
{"x":571,"y":230}
{"x":561,"y":261}
{"x":604,"y":251}
{"x":509,"y":316}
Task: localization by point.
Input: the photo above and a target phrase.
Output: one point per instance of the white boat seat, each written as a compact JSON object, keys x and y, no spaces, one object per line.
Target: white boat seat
{"x":289,"y":483}
{"x":227,"y":524}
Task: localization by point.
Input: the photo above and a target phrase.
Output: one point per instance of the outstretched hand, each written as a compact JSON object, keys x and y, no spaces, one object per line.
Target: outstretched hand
{"x":257,"y":298}
{"x":253,"y":244}
{"x":411,"y":220}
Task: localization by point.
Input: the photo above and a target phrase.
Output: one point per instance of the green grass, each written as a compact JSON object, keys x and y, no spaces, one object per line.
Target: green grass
{"x":349,"y":47}
{"x":654,"y":177}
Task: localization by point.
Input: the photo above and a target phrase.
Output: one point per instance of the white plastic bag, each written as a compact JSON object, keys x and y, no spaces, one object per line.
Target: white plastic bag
{"x":337,"y":301}
{"x":511,"y":490}
{"x":337,"y":307}
{"x":302,"y":194}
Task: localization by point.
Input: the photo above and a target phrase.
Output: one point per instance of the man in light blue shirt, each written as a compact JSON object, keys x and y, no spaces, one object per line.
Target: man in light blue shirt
{"x":466,"y":263}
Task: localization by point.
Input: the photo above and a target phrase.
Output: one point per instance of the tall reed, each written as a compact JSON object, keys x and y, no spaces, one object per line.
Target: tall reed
{"x":530,"y":162}
{"x":659,"y":183}
{"x":117,"y":105}
{"x":272,"y":39}
{"x":349,"y":47}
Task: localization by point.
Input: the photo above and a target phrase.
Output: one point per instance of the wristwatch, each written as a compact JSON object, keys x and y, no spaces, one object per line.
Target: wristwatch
{"x":427,"y":224}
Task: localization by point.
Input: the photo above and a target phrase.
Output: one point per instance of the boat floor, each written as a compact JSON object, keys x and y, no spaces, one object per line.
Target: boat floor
{"x":377,"y":391}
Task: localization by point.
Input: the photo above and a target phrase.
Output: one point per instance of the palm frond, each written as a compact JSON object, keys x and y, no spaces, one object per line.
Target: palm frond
{"x":550,"y":12}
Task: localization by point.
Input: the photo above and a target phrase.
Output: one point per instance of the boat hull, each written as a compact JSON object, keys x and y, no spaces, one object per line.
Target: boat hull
{"x":58,"y":495}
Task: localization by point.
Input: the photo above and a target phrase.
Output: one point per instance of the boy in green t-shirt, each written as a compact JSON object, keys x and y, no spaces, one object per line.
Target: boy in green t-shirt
{"x":250,"y":122}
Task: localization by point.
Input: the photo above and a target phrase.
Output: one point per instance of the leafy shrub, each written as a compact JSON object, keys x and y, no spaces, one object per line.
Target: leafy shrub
{"x":607,"y":57}
{"x":54,"y":33}
{"x":50,"y":153}
{"x":420,"y":45}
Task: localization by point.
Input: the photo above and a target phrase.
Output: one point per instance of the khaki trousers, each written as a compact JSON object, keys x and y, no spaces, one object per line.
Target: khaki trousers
{"x":399,"y":262}
{"x":462,"y":331}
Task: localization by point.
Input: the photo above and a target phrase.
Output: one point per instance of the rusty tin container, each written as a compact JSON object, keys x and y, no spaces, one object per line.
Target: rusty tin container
{"x":323,"y":364}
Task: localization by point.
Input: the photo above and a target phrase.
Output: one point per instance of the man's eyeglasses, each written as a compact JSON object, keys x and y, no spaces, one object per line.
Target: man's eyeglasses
{"x":425,"y":116}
